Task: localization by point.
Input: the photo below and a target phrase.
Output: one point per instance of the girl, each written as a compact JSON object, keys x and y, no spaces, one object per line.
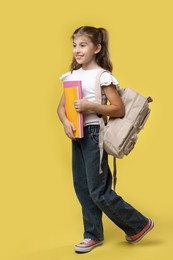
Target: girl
{"x":90,"y":55}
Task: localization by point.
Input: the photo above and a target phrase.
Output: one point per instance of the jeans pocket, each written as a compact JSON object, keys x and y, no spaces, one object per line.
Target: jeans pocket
{"x":95,"y":137}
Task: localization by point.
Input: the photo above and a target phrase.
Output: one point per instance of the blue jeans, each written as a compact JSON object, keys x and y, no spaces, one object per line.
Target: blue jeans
{"x":94,"y":189}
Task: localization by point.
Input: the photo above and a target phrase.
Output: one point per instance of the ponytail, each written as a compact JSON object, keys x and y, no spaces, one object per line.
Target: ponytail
{"x":103,"y":57}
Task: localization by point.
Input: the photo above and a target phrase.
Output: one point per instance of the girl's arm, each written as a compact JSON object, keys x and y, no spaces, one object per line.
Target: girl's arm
{"x":68,"y":126}
{"x":114,"y":109}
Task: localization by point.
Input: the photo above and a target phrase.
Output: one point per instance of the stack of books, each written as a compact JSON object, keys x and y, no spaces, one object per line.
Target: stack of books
{"x":73,"y":91}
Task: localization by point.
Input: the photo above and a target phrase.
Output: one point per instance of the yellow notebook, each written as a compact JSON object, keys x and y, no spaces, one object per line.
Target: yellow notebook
{"x":73,"y":91}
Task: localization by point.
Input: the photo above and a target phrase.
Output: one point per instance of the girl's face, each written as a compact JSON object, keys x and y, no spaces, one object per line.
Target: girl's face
{"x":85,"y":51}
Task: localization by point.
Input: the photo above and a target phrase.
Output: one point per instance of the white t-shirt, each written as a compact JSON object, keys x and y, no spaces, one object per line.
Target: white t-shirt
{"x":88,"y":78}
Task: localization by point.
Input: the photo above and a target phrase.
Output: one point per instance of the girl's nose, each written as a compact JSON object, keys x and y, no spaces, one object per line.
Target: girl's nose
{"x":77,"y":49}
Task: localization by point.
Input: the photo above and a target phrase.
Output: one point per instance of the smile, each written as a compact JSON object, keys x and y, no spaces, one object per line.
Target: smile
{"x":78,"y":56}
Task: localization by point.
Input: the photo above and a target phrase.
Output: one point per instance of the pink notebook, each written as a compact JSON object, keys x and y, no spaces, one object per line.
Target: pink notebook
{"x":73,"y":91}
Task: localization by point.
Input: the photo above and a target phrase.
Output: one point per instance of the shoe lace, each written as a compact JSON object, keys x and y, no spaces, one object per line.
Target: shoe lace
{"x":86,"y":240}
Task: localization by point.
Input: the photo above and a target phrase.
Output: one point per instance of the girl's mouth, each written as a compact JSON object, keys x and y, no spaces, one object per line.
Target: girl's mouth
{"x":78,"y":56}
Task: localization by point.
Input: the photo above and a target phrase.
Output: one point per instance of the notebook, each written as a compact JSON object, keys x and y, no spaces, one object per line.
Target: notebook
{"x":73,"y":91}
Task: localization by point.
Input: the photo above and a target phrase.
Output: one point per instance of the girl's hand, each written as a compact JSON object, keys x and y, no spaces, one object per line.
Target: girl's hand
{"x":81,"y":105}
{"x":69,"y":129}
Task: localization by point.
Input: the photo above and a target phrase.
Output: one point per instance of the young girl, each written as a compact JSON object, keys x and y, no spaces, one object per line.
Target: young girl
{"x":93,"y":189}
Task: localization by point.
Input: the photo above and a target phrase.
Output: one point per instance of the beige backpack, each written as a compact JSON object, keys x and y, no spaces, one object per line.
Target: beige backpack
{"x":119,"y":136}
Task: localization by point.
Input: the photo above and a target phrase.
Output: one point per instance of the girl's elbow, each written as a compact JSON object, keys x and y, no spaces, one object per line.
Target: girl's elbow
{"x":119,"y":111}
{"x":58,"y":110}
{"x":122,"y":111}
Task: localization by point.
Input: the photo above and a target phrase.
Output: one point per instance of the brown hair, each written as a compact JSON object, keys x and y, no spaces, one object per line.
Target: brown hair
{"x":97,"y":36}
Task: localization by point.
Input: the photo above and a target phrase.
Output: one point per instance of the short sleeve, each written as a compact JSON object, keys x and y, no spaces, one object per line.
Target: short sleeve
{"x":107,"y":78}
{"x":65,"y":76}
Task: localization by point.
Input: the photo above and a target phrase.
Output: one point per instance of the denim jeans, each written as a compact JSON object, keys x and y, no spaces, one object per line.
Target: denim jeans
{"x":94,"y":189}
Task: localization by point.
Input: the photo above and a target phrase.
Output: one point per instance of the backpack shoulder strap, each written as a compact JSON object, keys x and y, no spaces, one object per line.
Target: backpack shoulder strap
{"x":98,"y":99}
{"x":98,"y":93}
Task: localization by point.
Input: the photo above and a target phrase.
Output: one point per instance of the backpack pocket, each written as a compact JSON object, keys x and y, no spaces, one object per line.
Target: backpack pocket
{"x":119,"y":137}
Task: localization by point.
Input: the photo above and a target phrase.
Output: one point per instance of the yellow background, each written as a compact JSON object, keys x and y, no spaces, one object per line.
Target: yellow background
{"x":40,"y":217}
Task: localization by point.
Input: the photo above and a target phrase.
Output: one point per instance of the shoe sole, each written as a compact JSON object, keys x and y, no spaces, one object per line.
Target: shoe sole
{"x":79,"y":249}
{"x":138,"y":239}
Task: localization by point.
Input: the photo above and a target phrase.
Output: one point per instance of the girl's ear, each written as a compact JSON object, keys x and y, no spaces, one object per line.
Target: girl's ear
{"x":98,"y":48}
